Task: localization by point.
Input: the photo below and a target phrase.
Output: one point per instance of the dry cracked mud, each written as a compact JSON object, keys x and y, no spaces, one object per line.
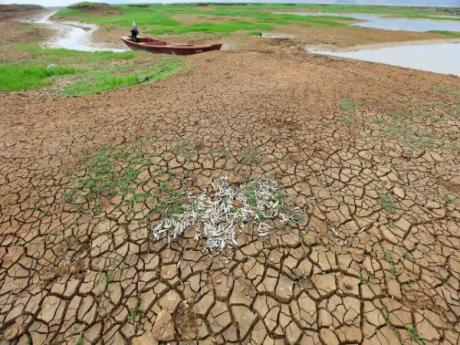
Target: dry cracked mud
{"x":371,"y":151}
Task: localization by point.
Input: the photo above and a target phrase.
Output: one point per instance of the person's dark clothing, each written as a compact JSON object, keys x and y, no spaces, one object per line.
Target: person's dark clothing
{"x":134,"y":34}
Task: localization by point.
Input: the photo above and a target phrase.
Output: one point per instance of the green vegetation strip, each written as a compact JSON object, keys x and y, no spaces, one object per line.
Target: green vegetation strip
{"x":86,"y":72}
{"x":73,"y":56}
{"x":112,"y":171}
{"x":164,"y":19}
{"x":14,"y":77}
{"x":452,"y":34}
{"x":111,"y":78}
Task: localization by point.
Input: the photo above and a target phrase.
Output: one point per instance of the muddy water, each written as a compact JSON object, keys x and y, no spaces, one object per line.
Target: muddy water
{"x":73,"y":35}
{"x":433,"y":57}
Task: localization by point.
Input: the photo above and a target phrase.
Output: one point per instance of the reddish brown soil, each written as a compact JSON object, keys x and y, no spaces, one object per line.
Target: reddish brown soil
{"x":354,"y":272}
{"x":14,"y":11}
{"x":97,"y":9}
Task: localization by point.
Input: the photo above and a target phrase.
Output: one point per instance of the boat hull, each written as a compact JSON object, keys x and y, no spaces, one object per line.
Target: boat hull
{"x":161,"y":47}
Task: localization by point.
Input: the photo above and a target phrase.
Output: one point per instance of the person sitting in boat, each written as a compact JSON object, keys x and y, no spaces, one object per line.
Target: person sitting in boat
{"x":134,"y":32}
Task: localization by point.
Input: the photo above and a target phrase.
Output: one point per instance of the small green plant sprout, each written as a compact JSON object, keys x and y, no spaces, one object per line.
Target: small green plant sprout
{"x":279,"y":196}
{"x":250,"y":193}
{"x":387,"y":203}
{"x":362,"y":279}
{"x":347,"y":107}
{"x":219,"y":152}
{"x":107,"y":279}
{"x":415,"y":336}
{"x":301,"y":236}
{"x":75,"y":330}
{"x":448,"y":199}
{"x":112,"y":171}
{"x":80,"y":340}
{"x":251,"y":156}
{"x":345,"y":119}
{"x":134,"y":314}
{"x":386,"y":317}
{"x":298,"y":217}
{"x":388,"y":257}
{"x":408,"y":256}
{"x":184,"y":149}
{"x":347,"y":104}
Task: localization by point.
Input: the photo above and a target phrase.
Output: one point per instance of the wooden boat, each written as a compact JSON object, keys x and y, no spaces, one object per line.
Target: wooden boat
{"x":161,"y":47}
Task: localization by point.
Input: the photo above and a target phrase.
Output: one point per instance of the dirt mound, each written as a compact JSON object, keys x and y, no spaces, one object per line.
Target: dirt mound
{"x":8,"y":11}
{"x":139,"y":5}
{"x":95,"y":8}
{"x":19,"y":8}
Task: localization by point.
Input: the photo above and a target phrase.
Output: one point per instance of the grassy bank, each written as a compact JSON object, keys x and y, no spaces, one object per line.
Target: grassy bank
{"x":169,"y":19}
{"x":109,"y":78}
{"x":85,"y":72}
{"x":451,"y":34}
{"x":394,"y":11}
{"x":14,"y":77}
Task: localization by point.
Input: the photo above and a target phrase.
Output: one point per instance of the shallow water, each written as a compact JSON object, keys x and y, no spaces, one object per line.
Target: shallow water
{"x":75,"y":36}
{"x":392,"y":23}
{"x":276,"y":35}
{"x":416,"y":25}
{"x":433,"y":57}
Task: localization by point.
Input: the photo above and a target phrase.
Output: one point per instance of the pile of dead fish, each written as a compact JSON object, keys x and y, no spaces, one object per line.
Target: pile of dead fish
{"x":223,"y":210}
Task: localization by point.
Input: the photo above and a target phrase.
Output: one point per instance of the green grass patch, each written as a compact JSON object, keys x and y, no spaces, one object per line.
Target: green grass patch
{"x":250,"y":192}
{"x":399,"y":126}
{"x":226,"y":27}
{"x":163,"y":19}
{"x":251,"y":156}
{"x":184,"y":149}
{"x":448,"y":90}
{"x":272,"y":18}
{"x":110,"y":78}
{"x":452,"y":34}
{"x":347,"y":108}
{"x":125,"y":14}
{"x":74,"y":56}
{"x":14,"y":77}
{"x":387,"y":203}
{"x":119,"y":172}
{"x":113,"y":170}
{"x":416,"y":338}
{"x":348,"y":104}
{"x":92,"y":72}
{"x":393,"y":11}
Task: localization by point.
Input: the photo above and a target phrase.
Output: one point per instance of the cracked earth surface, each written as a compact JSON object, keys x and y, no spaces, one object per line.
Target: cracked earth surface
{"x":376,"y":260}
